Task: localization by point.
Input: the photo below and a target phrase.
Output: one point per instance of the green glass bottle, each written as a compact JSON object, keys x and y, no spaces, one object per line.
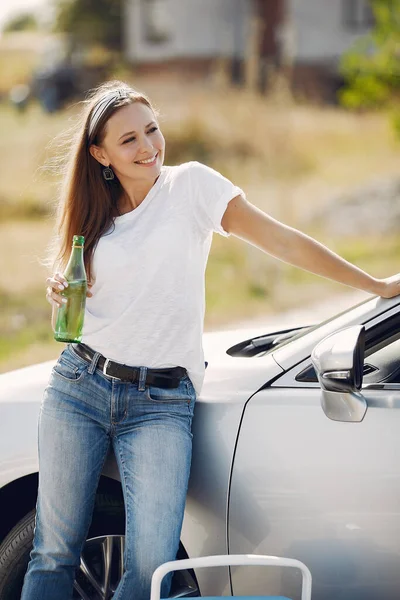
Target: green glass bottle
{"x":70,"y":316}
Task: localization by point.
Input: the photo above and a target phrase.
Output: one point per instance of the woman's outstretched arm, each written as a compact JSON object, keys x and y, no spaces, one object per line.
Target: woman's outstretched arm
{"x":249,"y":223}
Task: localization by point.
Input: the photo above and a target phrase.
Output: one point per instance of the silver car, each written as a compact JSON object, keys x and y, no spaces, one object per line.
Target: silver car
{"x":296,"y":454}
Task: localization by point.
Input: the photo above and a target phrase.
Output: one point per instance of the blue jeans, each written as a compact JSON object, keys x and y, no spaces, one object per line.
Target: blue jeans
{"x":150,"y":429}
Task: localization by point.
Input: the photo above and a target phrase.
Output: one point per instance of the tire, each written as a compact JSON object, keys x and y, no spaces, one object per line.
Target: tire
{"x":108,"y":519}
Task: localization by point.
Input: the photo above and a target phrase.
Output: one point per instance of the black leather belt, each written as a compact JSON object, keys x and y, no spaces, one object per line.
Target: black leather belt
{"x":163,"y":378}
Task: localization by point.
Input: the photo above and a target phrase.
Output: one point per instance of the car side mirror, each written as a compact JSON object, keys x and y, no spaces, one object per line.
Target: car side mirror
{"x":338,"y":361}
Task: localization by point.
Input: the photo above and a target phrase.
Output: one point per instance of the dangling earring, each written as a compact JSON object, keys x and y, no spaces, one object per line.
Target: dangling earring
{"x":108,"y":173}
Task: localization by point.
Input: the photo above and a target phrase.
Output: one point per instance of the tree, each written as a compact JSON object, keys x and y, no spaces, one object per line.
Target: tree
{"x":371,"y":69}
{"x":91,"y":21}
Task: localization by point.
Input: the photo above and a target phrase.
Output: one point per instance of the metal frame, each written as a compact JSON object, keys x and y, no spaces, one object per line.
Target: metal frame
{"x":230,"y":560}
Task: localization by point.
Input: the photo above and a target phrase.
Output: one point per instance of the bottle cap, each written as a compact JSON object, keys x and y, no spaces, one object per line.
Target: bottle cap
{"x":78,"y":240}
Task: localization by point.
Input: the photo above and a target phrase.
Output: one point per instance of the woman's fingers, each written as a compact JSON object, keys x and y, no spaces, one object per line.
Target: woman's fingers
{"x":55,"y":285}
{"x":53,"y":298}
{"x":57,"y":282}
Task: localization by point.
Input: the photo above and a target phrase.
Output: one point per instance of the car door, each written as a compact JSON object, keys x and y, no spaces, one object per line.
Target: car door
{"x":323,"y":491}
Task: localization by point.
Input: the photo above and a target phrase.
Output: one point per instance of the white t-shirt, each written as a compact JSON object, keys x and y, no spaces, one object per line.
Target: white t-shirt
{"x":148,"y":299}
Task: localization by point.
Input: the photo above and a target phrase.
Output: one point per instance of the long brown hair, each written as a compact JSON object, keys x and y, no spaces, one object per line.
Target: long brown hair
{"x":88,"y":203}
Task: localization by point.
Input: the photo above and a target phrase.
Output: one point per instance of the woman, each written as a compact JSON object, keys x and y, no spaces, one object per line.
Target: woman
{"x":133,"y":381}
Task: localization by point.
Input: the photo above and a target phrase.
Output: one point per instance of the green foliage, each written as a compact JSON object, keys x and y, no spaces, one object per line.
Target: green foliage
{"x":24,"y":320}
{"x":372,"y":67}
{"x":189,"y":140}
{"x":21,"y":22}
{"x":395,"y":120}
{"x":91,"y":21}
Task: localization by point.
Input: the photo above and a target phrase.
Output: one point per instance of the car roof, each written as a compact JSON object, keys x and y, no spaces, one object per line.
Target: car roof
{"x":300,"y":347}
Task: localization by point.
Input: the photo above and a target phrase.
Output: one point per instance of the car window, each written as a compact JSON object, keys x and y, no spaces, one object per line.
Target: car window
{"x":383,"y":366}
{"x":382,"y":352}
{"x":381,"y":358}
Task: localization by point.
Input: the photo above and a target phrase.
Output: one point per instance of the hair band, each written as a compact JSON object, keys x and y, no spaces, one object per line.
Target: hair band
{"x":101,"y":108}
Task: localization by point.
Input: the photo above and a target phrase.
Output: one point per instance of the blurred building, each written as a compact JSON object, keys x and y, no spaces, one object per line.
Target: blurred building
{"x":185,"y":34}
{"x":319,"y":32}
{"x":304,"y":37}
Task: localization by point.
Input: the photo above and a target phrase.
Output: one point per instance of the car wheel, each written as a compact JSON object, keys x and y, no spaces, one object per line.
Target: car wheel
{"x":105,"y":539}
{"x":101,"y":565}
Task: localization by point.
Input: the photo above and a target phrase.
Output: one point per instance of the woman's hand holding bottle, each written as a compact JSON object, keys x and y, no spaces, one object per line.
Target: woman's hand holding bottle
{"x":56,"y":284}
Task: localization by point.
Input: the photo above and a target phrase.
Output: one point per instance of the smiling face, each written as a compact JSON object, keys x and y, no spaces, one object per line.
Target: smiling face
{"x":133,"y":144}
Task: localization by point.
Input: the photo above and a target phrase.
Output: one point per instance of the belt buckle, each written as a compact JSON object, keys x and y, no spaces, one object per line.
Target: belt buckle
{"x":105,"y":370}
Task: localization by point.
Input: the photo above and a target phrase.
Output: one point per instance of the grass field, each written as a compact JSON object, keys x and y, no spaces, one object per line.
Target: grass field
{"x":288,"y":158}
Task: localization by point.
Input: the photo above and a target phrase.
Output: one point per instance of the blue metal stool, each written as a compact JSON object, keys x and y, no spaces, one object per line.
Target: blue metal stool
{"x":232,"y":560}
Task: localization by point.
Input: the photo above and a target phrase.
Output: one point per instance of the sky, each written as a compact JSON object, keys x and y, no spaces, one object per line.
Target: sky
{"x":9,"y":8}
